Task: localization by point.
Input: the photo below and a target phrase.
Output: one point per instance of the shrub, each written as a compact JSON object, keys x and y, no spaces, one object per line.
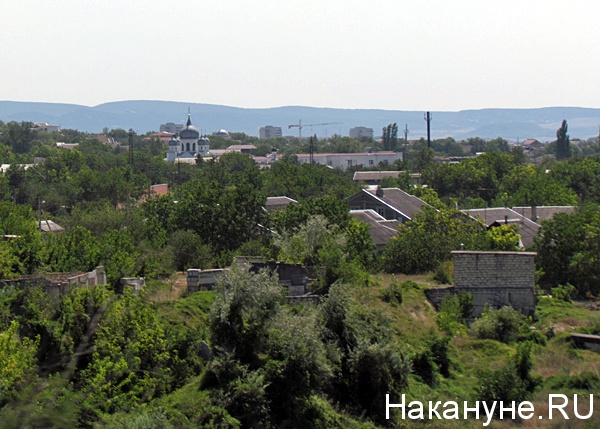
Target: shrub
{"x":393,"y":294}
{"x":377,"y":369}
{"x":514,"y":382}
{"x":454,"y":312}
{"x":444,"y":273}
{"x":563,"y":293}
{"x":503,"y":325}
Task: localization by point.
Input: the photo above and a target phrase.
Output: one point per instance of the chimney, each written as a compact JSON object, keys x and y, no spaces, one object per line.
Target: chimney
{"x":379,"y":192}
{"x":534,"y":216}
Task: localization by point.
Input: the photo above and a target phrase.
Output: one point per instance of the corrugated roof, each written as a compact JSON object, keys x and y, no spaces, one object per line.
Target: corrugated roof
{"x":544,"y":212}
{"x":403,"y":202}
{"x":380,"y":229}
{"x":49,"y":226}
{"x":276,"y":203}
{"x":501,"y":215}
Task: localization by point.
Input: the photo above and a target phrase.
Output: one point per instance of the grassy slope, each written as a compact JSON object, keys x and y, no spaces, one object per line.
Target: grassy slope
{"x":413,"y":321}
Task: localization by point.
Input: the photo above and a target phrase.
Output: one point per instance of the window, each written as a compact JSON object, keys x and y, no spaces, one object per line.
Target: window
{"x":371,"y":162}
{"x":349,"y":163}
{"x":187,"y":146}
{"x":330,"y":162}
{"x":381,"y":211}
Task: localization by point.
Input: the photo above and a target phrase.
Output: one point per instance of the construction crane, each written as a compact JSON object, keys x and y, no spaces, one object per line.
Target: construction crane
{"x":300,"y":126}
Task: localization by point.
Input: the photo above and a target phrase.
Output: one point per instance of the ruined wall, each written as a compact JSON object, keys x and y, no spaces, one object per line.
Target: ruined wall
{"x":496,"y":278}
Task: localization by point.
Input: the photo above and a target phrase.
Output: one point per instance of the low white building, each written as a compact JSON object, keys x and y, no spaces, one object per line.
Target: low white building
{"x":346,"y":160}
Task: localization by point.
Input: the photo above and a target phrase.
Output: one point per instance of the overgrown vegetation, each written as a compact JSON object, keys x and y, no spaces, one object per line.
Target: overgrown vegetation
{"x":241,"y":356}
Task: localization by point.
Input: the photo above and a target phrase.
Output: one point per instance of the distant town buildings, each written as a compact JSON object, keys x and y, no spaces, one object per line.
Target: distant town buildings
{"x":171,"y":127}
{"x":269,"y":132}
{"x":360,"y":132}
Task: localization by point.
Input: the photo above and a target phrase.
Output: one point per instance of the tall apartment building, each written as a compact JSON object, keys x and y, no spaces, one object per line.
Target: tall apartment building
{"x":269,"y":132}
{"x":171,"y":127}
{"x":360,"y":132}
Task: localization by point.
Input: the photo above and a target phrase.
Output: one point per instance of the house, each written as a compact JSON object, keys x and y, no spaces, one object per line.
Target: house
{"x":381,"y":230}
{"x":49,"y":226}
{"x":45,"y":126}
{"x":278,"y":203}
{"x":497,"y":216}
{"x":390,"y":203}
{"x":542,"y":213}
{"x":346,"y":160}
{"x":375,"y":177}
{"x":531,"y":144}
{"x":163,"y":136}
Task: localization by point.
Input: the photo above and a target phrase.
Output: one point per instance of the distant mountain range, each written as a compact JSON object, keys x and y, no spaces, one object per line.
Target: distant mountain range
{"x":144,"y":116}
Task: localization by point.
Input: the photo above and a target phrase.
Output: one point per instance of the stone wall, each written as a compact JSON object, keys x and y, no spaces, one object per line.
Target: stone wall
{"x":496,"y":278}
{"x":493,"y":278}
{"x":589,"y":342}
{"x":437,"y":295}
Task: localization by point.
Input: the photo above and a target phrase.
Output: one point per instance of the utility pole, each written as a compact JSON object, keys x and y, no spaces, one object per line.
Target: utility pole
{"x":131,"y":149}
{"x":405,"y":142}
{"x":310,"y":150}
{"x":428,"y":116}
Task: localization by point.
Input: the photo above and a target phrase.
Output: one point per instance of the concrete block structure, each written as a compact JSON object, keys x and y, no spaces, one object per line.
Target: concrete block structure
{"x":494,"y":278}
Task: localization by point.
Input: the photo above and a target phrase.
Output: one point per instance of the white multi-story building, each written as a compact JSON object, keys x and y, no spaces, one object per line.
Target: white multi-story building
{"x":360,"y":132}
{"x":346,"y":160}
{"x":171,"y":127}
{"x":269,"y":132}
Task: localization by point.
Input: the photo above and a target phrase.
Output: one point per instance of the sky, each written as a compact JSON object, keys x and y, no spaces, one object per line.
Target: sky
{"x":438,"y":55}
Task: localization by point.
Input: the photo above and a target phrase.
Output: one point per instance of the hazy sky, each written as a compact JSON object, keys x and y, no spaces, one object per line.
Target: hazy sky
{"x":388,"y":54}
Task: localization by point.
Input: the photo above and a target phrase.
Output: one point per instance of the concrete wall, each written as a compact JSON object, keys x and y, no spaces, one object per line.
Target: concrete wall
{"x":202,"y":279}
{"x":96,"y":277}
{"x":294,"y":277}
{"x":589,"y":342}
{"x":496,"y":278}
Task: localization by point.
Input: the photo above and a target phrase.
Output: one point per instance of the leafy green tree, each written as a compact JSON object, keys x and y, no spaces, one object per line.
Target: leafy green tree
{"x":528,"y":185}
{"x":17,"y":361}
{"x":390,"y":137}
{"x":129,"y":360}
{"x":376,"y":370}
{"x":75,"y":250}
{"x":563,"y":143}
{"x":20,"y":137}
{"x":428,"y":239}
{"x":118,"y":255}
{"x":244,"y":305}
{"x":503,"y":238}
{"x":568,"y":249}
{"x":189,"y":251}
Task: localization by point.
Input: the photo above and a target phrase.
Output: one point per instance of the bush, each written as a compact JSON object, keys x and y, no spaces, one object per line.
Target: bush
{"x":505,"y":325}
{"x":514,"y":382}
{"x":584,"y":381}
{"x":563,"y":293}
{"x":444,"y":273}
{"x":454,"y":312}
{"x":377,"y":369}
{"x":392,"y":294}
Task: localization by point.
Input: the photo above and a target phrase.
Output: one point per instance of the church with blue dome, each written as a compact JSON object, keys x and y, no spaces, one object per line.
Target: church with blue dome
{"x":188,"y":144}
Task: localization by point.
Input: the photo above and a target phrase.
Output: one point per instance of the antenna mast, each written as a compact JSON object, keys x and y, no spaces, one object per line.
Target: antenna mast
{"x":405,"y":142}
{"x":428,"y":116}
